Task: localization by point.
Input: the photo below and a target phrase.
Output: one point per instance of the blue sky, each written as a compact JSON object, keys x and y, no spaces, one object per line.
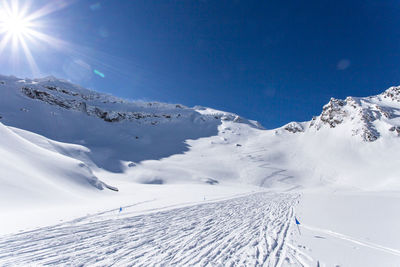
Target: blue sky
{"x":270,"y":61}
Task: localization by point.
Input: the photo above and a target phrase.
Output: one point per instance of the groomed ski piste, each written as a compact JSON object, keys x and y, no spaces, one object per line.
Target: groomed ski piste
{"x":88,"y":179}
{"x":249,"y":230}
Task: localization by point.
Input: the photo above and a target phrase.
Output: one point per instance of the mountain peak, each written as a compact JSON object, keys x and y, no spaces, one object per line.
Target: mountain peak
{"x":367,"y":117}
{"x":392,"y":93}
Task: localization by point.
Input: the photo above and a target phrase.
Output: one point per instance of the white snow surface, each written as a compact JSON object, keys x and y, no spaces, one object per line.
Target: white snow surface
{"x":196,"y":186}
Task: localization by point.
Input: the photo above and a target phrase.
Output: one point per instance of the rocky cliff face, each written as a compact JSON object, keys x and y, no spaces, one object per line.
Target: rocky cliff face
{"x":81,"y":103}
{"x":366,"y":117}
{"x":65,"y":95}
{"x":393,"y":93}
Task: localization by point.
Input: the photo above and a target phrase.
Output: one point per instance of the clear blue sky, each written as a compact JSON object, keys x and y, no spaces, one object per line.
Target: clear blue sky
{"x":272,"y":61}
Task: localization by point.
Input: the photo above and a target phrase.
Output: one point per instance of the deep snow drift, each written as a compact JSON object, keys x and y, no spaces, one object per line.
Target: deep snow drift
{"x":65,"y":150}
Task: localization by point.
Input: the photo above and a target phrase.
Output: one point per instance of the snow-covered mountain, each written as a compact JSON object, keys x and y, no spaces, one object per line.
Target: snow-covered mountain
{"x":367,"y":117}
{"x":107,"y":133}
{"x":96,"y":131}
{"x":352,"y":142}
{"x":67,"y":151}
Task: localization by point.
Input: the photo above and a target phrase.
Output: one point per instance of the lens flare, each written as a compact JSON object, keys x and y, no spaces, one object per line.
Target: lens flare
{"x":99,"y":73}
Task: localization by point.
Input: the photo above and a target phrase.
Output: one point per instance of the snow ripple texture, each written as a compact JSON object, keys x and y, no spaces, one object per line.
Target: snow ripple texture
{"x":245,"y":231}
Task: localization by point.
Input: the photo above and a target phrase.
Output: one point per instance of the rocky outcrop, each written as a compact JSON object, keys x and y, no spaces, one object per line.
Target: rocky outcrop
{"x":106,"y":107}
{"x":333,"y":113}
{"x":339,"y":111}
{"x":106,"y":115}
{"x":294,"y":127}
{"x":46,"y":97}
{"x":360,"y":113}
{"x":393,"y":93}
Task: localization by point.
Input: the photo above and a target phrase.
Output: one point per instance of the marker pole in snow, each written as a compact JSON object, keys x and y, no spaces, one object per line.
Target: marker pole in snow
{"x":297,"y":224}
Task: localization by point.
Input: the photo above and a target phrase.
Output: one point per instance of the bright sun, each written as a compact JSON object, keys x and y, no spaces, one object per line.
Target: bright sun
{"x":19,"y":29}
{"x":15,"y":25}
{"x":14,"y":21}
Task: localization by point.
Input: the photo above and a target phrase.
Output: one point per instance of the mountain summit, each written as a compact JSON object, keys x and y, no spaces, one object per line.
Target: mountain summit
{"x":367,"y":117}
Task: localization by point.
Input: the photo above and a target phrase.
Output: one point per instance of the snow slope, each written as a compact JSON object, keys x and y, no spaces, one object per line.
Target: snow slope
{"x":243,"y":231}
{"x":353,"y":143}
{"x":113,"y":129}
{"x":349,"y":144}
{"x":63,"y":147}
{"x":348,"y":228}
{"x":27,"y":170}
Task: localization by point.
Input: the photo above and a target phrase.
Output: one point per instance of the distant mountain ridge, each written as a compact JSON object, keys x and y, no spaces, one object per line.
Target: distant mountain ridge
{"x":72,"y":141}
{"x":109,"y":108}
{"x":367,"y":117}
{"x":111,"y":127}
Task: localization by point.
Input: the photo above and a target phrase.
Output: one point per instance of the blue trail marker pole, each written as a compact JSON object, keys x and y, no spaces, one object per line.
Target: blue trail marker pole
{"x":297,"y":224}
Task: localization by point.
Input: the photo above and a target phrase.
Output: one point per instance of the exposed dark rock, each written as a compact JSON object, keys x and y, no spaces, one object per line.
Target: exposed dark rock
{"x":210,"y":181}
{"x":293,"y":127}
{"x":332,"y":113}
{"x":361,"y":111}
{"x":46,"y":97}
{"x":395,"y":129}
{"x":392,"y":93}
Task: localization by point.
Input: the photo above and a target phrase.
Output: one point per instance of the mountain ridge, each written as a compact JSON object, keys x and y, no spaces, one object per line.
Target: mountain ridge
{"x":370,"y":117}
{"x":362,"y":111}
{"x":141,"y":141}
{"x":107,"y":107}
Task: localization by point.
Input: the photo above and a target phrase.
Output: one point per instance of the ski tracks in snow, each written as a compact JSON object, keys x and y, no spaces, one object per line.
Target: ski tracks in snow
{"x":245,"y":231}
{"x":274,"y":174}
{"x":353,"y":240}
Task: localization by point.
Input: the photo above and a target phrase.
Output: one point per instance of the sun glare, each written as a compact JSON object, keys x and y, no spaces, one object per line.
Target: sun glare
{"x":15,"y":25}
{"x":20,"y":29}
{"x":14,"y":22}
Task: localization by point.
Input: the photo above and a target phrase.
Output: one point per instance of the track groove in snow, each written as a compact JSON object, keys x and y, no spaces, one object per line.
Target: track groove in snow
{"x":353,"y":240}
{"x":249,"y":230}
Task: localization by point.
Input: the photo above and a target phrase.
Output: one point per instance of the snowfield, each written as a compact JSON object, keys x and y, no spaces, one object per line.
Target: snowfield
{"x":350,"y":228}
{"x":250,"y":230}
{"x":196,"y":186}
